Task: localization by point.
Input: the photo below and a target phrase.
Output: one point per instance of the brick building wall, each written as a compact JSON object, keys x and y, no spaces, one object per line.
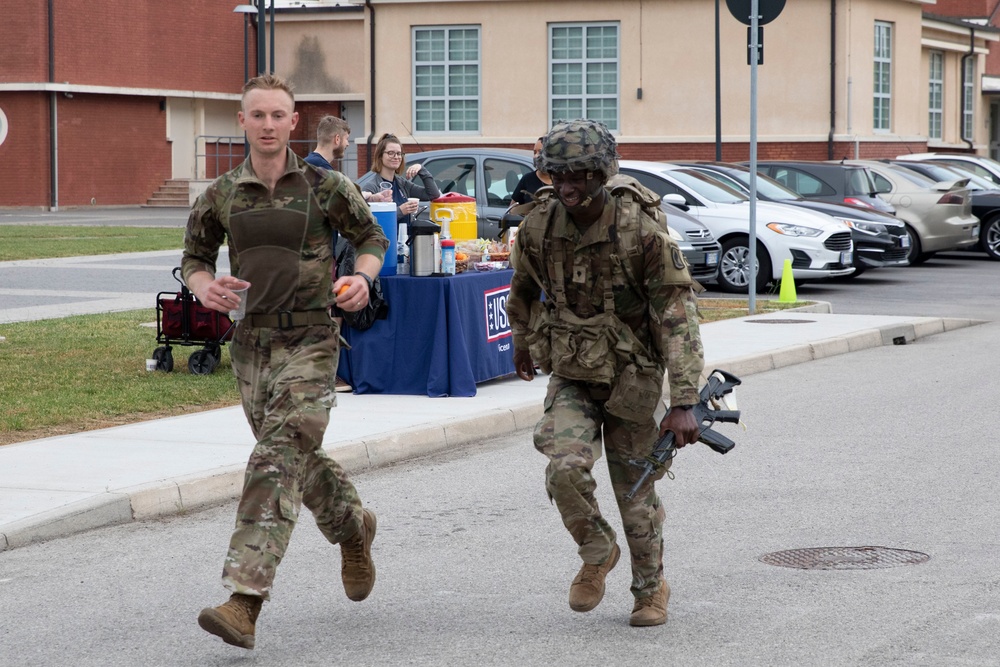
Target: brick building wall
{"x":24,"y":155}
{"x":112,"y":149}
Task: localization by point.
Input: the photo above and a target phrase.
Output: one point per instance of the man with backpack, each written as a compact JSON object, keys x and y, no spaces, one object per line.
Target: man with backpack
{"x":619,"y":310}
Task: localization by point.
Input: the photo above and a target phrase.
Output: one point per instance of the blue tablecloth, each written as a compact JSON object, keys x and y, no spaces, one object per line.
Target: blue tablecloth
{"x":443,"y":335}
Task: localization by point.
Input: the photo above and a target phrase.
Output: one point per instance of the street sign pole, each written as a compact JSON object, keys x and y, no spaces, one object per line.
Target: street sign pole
{"x":754,"y":59}
{"x":760,"y":13}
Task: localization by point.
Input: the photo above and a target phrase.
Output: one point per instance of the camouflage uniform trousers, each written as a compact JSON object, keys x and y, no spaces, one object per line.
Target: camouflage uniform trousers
{"x":286,"y":380}
{"x":569,"y":434}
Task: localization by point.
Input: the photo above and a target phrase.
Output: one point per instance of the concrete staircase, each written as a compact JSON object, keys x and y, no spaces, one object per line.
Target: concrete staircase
{"x":173,"y":192}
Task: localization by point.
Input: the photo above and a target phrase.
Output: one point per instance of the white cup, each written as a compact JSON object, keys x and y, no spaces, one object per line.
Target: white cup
{"x":240,"y":311}
{"x":150,"y":364}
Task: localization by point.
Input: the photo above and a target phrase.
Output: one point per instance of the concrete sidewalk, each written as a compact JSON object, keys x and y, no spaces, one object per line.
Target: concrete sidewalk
{"x":61,"y":485}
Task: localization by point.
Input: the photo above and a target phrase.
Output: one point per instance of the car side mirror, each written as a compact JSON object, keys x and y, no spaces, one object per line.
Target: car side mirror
{"x":676,"y":200}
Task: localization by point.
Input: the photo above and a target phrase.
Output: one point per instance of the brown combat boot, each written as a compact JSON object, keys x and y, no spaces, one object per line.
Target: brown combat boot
{"x":234,"y":621}
{"x":587,"y":589}
{"x":356,"y":567}
{"x":651,"y":610}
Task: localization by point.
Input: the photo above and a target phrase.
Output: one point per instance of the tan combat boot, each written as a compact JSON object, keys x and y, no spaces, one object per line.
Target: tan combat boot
{"x":234,"y":621}
{"x":651,"y":610}
{"x":356,"y":567}
{"x":587,"y":589}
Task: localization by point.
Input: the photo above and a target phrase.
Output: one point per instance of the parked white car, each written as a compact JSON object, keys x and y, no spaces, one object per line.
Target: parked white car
{"x":817,"y":245}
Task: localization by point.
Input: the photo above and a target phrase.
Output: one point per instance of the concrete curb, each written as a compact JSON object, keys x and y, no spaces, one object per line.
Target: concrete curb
{"x":191,"y":492}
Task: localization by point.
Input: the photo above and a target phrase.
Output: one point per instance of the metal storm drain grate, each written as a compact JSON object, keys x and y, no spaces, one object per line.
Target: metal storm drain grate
{"x":844,"y":558}
{"x":779,"y":321}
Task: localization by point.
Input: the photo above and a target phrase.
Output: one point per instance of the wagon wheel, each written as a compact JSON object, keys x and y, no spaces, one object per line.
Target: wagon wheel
{"x":202,"y":362}
{"x":215,"y":350}
{"x":164,"y":358}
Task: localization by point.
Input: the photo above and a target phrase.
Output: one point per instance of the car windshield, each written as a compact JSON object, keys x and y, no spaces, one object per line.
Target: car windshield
{"x":709,"y":188}
{"x":739,"y":179}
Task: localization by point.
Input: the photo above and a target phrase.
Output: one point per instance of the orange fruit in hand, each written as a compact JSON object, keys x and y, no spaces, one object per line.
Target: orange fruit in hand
{"x":342,"y":290}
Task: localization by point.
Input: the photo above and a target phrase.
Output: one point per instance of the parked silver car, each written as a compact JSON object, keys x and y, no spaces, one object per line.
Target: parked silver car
{"x":979,"y":165}
{"x":938,"y":216}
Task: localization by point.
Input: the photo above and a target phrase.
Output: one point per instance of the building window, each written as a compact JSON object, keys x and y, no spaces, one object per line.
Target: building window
{"x":968,"y":97}
{"x":583,"y":72}
{"x":446,"y":79}
{"x":935,"y":102}
{"x":3,"y":126}
{"x":883,"y":76}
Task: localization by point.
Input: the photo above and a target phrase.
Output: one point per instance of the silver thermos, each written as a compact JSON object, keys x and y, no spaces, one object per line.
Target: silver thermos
{"x":422,"y":236}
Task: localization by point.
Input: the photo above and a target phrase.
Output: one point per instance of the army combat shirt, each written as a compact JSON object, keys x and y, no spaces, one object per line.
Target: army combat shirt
{"x":659,"y":306}
{"x":280,"y":241}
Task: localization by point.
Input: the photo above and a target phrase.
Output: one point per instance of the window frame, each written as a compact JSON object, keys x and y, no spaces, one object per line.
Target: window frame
{"x":447,"y":98}
{"x":968,"y":98}
{"x":935,"y":112}
{"x":882,"y":68}
{"x":584,"y":97}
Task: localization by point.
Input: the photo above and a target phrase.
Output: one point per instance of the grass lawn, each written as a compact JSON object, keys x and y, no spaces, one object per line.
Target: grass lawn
{"x":88,"y":372}
{"x":43,"y":241}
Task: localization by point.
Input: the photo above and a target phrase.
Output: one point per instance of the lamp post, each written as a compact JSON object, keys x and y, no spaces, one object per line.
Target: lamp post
{"x":246,"y":10}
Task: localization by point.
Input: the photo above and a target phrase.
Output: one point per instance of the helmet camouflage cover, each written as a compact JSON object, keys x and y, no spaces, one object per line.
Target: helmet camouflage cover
{"x":579,"y":145}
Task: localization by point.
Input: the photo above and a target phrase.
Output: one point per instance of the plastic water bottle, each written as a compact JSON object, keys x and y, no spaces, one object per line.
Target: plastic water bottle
{"x":448,"y":257}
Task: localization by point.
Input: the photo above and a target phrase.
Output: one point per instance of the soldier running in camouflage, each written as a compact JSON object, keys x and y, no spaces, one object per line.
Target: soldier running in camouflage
{"x":277,"y":213}
{"x":619,"y":310}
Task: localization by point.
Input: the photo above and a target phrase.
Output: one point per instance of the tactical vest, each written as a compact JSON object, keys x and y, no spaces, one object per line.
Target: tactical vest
{"x":600,"y":350}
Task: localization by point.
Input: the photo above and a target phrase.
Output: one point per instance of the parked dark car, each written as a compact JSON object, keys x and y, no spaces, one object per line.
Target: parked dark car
{"x":826,"y":181}
{"x":880,"y":239}
{"x":488,"y":175}
{"x":985,"y":196}
{"x":491,"y":174}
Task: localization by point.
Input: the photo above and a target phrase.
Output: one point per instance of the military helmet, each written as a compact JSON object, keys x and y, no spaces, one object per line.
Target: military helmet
{"x":579,"y":145}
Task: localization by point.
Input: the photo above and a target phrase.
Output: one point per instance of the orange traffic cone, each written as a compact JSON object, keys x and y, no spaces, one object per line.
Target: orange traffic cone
{"x":787,"y":294}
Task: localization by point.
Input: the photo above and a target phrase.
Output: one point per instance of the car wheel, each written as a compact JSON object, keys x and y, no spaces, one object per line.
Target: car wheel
{"x":734,"y":266}
{"x":915,"y":255}
{"x":989,"y":237}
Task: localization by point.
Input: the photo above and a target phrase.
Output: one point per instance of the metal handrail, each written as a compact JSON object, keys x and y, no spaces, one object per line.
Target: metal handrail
{"x":231,"y":152}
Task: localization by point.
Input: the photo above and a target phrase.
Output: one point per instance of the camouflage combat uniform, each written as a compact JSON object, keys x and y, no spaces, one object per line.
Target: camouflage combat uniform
{"x":650,"y":290}
{"x":285,"y":352}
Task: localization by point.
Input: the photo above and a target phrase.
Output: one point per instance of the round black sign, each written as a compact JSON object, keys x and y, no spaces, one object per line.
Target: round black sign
{"x":767,"y":10}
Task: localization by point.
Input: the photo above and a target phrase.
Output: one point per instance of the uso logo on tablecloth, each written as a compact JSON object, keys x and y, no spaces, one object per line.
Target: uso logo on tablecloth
{"x":497,"y":324}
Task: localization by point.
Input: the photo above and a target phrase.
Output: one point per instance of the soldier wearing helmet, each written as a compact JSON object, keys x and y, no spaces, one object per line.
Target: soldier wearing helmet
{"x":619,"y":311}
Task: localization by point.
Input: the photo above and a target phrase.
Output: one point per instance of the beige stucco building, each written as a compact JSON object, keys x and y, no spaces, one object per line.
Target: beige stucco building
{"x":839,"y":77}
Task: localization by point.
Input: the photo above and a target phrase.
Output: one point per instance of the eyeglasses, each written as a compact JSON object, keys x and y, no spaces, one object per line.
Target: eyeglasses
{"x":393,"y":154}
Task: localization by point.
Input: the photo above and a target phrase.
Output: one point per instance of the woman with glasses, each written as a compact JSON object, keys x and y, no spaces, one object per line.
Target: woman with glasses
{"x":389,"y":172}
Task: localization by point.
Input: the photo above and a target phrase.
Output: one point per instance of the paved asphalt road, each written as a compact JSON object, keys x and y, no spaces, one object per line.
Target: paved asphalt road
{"x":474,"y":565}
{"x":892,"y":447}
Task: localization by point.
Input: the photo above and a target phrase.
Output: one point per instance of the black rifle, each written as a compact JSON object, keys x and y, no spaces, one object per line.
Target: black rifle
{"x":719,"y":384}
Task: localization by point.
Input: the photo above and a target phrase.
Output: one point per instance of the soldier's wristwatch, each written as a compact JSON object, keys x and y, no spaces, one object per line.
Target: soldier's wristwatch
{"x":366,"y":277}
{"x":681,"y":407}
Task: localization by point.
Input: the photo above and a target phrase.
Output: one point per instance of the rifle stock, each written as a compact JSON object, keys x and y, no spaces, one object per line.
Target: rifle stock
{"x":719,"y":384}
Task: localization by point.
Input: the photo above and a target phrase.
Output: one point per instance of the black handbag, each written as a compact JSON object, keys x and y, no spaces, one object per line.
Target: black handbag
{"x":377,"y":308}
